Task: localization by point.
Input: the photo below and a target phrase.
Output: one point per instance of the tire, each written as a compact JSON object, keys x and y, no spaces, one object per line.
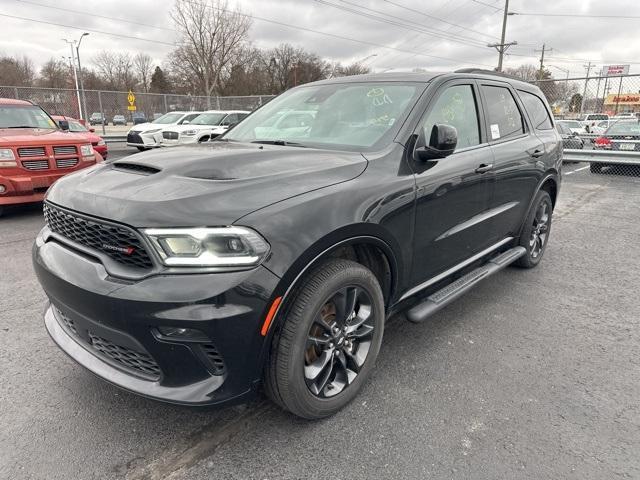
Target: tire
{"x":536,"y":231}
{"x":595,"y":168}
{"x":302,"y":344}
{"x":142,"y":149}
{"x":1,"y":211}
{"x":203,"y":139}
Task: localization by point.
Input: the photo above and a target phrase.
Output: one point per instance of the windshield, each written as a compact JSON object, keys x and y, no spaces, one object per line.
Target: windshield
{"x":76,"y":126}
{"x":168,"y":118}
{"x":208,"y":119}
{"x":624,"y":128}
{"x":347,"y":116}
{"x":25,"y":116}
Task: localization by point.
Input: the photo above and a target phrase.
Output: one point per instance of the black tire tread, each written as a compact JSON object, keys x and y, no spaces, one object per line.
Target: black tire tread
{"x":276,"y":379}
{"x":525,"y":260}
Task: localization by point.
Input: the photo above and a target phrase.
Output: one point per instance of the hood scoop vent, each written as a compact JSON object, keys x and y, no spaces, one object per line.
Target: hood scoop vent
{"x":136,"y":168}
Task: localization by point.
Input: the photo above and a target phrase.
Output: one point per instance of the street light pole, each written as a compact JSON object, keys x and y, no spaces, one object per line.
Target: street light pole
{"x":84,"y":98}
{"x":75,"y":73}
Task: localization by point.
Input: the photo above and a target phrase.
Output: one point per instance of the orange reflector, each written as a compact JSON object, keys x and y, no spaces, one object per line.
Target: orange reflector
{"x":270,"y":315}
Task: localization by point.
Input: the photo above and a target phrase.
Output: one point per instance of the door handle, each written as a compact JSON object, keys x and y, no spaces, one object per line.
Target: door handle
{"x":484,"y":167}
{"x":537,"y":153}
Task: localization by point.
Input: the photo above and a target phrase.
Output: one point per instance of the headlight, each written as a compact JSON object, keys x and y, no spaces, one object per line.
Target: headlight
{"x":189,"y":133}
{"x":208,"y":247}
{"x":87,"y":153}
{"x":155,"y":130}
{"x":6,"y":154}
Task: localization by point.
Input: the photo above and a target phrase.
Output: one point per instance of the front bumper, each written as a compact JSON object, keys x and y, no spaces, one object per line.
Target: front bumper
{"x":110,"y":326}
{"x":144,"y":140}
{"x":181,"y":140}
{"x":29,"y":188}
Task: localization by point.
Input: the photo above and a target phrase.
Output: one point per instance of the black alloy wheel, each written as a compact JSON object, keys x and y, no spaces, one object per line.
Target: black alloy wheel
{"x":536,"y":231}
{"x":326,"y":339}
{"x":338,"y":342}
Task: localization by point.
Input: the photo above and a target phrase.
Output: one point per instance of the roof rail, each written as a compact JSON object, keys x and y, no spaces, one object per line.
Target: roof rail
{"x":488,"y":72}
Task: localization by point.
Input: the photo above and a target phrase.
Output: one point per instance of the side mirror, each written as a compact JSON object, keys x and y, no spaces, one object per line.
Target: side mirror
{"x":64,"y":125}
{"x":442,"y":143}
{"x":186,"y":122}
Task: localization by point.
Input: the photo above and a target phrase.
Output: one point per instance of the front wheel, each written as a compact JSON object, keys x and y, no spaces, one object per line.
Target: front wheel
{"x":535,"y":233}
{"x":325,"y":349}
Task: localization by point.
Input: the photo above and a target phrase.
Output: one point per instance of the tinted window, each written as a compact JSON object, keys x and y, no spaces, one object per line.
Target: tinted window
{"x":456,"y":106}
{"x":346,"y":115}
{"x":230,"y":119}
{"x":188,"y":118}
{"x":537,"y":111}
{"x":502,"y":113}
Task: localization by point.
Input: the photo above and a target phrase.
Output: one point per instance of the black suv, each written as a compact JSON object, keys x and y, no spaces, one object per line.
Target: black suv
{"x":273,"y":255}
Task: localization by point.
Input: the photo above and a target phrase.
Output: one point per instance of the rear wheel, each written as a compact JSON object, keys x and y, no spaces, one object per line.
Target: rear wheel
{"x":535,"y":233}
{"x":328,"y":343}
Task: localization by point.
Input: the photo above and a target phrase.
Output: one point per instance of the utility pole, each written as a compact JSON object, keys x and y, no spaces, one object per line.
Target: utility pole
{"x":586,"y":81}
{"x":502,"y":46}
{"x":75,"y":74}
{"x":544,"y":49}
{"x":84,"y":98}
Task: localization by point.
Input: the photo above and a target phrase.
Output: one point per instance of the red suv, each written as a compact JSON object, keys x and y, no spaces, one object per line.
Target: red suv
{"x":35,"y":152}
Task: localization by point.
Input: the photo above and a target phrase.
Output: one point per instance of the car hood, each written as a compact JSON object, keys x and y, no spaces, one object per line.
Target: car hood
{"x":189,"y":126}
{"x":24,"y":136}
{"x":143,"y":127}
{"x":207,"y":185}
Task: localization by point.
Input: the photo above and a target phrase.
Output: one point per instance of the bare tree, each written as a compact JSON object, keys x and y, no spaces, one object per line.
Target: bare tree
{"x":16,"y":71}
{"x":143,"y":64}
{"x":355,"y":68}
{"x":211,"y":39}
{"x":116,"y":69}
{"x":54,"y":74}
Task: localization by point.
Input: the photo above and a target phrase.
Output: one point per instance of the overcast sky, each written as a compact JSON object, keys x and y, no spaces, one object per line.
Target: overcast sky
{"x":451,"y":34}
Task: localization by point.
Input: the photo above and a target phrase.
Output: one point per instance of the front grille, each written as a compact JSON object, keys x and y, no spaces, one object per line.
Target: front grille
{"x":118,"y":242}
{"x":131,"y":359}
{"x":66,"y":162}
{"x":31,"y":152}
{"x":67,"y":322}
{"x":170,"y":135}
{"x":216,"y":364}
{"x":36,"y":164}
{"x":136,"y":168}
{"x":66,"y":150}
{"x":136,"y":362}
{"x":133,"y":137}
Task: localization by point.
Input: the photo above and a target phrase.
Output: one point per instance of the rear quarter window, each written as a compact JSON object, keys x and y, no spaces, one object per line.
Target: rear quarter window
{"x":537,"y":111}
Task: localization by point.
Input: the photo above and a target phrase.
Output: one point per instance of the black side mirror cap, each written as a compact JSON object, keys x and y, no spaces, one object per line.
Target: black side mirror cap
{"x":442,"y":143}
{"x":64,"y":124}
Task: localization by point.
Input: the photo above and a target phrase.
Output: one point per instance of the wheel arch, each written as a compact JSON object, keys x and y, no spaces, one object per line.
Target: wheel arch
{"x":550,"y":183}
{"x":367,"y":244}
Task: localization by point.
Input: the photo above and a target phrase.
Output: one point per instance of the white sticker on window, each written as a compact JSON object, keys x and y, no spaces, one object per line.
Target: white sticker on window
{"x":495,"y":131}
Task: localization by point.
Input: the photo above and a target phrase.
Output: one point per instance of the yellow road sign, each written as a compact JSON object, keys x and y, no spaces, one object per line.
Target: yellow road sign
{"x":131,"y":98}
{"x":131,"y":108}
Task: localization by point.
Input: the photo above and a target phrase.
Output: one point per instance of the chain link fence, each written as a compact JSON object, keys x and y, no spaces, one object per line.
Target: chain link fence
{"x":82,"y":104}
{"x":599,"y":120}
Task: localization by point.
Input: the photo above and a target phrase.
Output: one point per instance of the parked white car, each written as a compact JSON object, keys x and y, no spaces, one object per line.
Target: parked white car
{"x":574,"y":125}
{"x":206,"y":126}
{"x":149,"y":135}
{"x":590,"y":120}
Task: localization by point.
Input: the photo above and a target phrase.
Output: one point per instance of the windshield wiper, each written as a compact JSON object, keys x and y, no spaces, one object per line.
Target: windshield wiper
{"x":283,"y":143}
{"x":21,"y":126}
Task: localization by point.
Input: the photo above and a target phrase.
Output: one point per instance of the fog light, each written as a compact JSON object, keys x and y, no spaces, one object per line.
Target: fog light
{"x":2,"y":189}
{"x":182,"y":334}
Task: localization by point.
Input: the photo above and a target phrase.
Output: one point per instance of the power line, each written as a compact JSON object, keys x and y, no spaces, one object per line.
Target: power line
{"x":130,"y":37}
{"x":405,"y":24}
{"x":53,"y":7}
{"x":439,"y":19}
{"x":488,"y":5}
{"x":340,"y":37}
{"x":617,"y":17}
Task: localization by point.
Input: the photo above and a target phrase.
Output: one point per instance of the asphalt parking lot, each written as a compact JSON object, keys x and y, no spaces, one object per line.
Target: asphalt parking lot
{"x":533,"y":374}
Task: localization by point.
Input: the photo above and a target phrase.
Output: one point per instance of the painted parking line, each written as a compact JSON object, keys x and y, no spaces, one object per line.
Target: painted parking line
{"x":577,"y":170}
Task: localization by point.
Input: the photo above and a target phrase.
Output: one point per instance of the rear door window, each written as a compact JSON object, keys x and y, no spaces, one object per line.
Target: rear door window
{"x":503,"y":114}
{"x":537,"y":111}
